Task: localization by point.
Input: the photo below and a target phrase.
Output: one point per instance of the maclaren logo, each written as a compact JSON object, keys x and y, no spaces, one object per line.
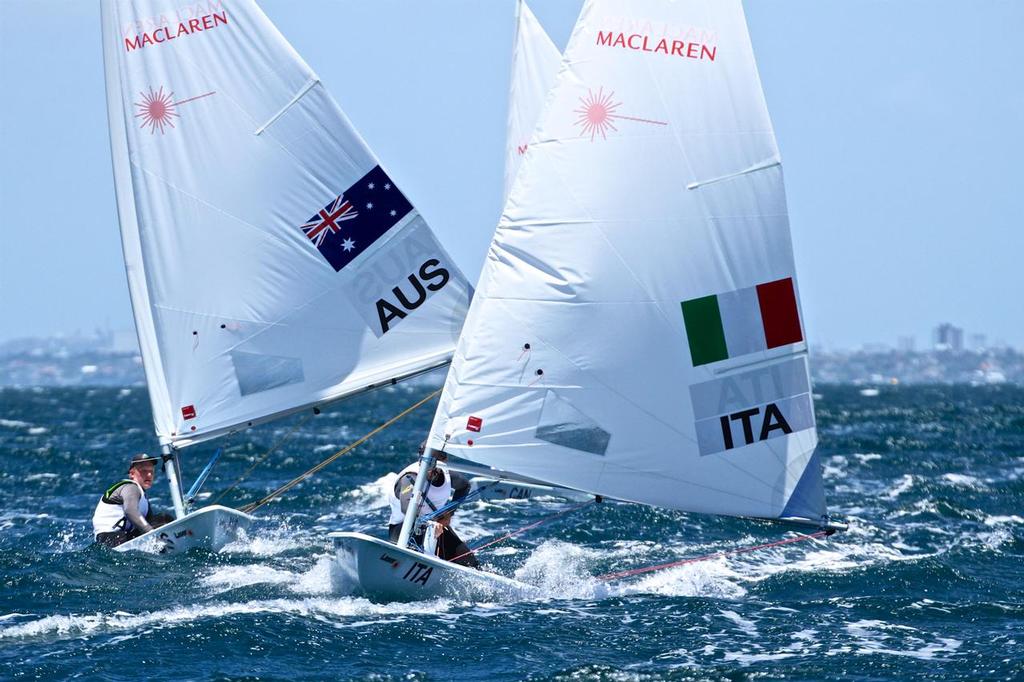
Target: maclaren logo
{"x":158,"y":109}
{"x":167,"y":31}
{"x":641,"y":42}
{"x":597,"y":114}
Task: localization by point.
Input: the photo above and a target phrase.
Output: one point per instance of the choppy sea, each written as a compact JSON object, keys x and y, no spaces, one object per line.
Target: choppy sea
{"x":926,"y":584}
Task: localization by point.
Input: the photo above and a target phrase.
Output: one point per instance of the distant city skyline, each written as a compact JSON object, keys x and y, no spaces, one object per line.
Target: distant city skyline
{"x":900,"y":159}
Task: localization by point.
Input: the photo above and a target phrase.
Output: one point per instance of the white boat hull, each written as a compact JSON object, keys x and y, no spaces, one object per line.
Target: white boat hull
{"x":380,"y":570}
{"x":210,"y":528}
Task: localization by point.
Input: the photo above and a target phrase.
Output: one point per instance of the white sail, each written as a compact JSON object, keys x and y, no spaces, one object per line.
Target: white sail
{"x":272,"y":263}
{"x":535,"y":61}
{"x":636,"y":329}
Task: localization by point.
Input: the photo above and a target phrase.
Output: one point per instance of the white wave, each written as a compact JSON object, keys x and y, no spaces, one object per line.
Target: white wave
{"x":41,"y":477}
{"x":867,"y":457}
{"x":265,"y":541}
{"x":14,"y":424}
{"x":38,"y":430}
{"x":227,"y":578}
{"x":79,"y":625}
{"x":901,"y":486}
{"x":873,"y":637}
{"x":712,"y":578}
{"x":370,"y":496}
{"x":1000,"y":520}
{"x":560,"y":569}
{"x":964,"y":481}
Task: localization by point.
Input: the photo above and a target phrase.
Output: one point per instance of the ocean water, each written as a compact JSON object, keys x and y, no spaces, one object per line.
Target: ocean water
{"x":927,"y":584}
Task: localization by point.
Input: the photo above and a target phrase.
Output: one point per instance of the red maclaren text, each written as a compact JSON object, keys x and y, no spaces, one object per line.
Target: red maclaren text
{"x":184,"y":28}
{"x":644,"y":43}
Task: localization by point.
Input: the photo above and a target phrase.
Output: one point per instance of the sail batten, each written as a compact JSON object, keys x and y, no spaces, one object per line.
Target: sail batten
{"x":631,"y":337}
{"x":274,"y":262}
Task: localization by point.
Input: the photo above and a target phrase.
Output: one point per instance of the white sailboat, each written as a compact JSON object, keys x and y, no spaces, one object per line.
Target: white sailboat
{"x":273,"y":264}
{"x":636,"y":330}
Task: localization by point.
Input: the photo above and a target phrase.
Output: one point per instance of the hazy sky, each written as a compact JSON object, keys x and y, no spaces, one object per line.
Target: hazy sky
{"x":901,"y":126}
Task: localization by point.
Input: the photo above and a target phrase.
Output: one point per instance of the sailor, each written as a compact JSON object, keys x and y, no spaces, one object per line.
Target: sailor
{"x":123,"y":512}
{"x":443,"y":486}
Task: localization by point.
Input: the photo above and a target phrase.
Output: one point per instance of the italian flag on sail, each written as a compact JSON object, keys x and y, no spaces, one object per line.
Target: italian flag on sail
{"x":741,"y":322}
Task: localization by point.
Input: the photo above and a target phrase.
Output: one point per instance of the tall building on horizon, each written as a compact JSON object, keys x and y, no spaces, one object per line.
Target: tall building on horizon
{"x":949,"y":337}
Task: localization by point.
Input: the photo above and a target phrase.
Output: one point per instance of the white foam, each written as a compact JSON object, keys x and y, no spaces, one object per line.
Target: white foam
{"x":560,"y":569}
{"x":901,"y":486}
{"x":38,"y":430}
{"x":267,"y":541}
{"x":79,"y":625}
{"x":14,"y":424}
{"x":964,"y":481}
{"x":227,"y":578}
{"x":872,"y":637}
{"x":1000,"y":520}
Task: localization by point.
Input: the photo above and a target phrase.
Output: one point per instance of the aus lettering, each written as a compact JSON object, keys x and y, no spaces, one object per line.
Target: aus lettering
{"x":770,"y":420}
{"x":430,"y":277}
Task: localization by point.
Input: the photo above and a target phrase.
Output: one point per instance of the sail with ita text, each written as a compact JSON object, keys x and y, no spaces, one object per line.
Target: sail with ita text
{"x":636,"y":330}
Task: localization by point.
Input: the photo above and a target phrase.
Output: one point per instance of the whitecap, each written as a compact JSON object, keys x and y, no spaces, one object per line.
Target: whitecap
{"x":79,"y":625}
{"x":964,"y":481}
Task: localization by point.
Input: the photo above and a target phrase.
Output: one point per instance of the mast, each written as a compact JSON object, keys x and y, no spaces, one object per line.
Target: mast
{"x":169,"y":457}
{"x":427,"y":460}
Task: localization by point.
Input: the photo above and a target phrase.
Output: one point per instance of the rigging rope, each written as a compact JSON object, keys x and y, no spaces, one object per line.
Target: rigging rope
{"x":249,"y":508}
{"x":524,"y":529}
{"x":266,"y":454}
{"x":706,"y":557}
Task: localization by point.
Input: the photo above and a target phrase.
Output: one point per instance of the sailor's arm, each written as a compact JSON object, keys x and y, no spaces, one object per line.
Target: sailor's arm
{"x":131,"y":496}
{"x":460,"y":485}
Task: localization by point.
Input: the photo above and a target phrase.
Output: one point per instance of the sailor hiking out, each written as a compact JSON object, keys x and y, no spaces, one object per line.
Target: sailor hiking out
{"x":435,"y":536}
{"x":123,"y":512}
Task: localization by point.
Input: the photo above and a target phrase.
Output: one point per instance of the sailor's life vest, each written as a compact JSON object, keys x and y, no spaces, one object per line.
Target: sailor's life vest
{"x":400,"y":494}
{"x":109,"y":515}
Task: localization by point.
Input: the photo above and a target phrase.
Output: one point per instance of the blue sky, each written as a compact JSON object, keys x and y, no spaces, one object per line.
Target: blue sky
{"x":900,"y":125}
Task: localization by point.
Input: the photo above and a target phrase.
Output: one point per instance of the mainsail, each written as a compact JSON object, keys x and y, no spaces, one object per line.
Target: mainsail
{"x":636,"y":330}
{"x":535,"y":61}
{"x":273,"y":263}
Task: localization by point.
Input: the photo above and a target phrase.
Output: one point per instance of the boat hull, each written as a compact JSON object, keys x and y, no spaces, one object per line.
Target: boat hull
{"x":380,"y":570}
{"x":210,"y":528}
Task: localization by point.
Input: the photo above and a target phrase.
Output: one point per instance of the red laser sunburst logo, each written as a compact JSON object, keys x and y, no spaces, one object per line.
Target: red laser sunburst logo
{"x":597,"y":112}
{"x":157,"y":109}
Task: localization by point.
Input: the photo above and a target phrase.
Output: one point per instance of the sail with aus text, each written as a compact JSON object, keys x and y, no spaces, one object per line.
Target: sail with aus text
{"x":273,"y":262}
{"x":637,"y":331}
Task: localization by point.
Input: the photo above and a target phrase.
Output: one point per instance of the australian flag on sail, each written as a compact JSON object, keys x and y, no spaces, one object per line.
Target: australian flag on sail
{"x":357,"y":218}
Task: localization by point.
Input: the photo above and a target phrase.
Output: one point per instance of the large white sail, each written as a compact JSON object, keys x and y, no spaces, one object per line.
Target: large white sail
{"x":272,"y":263}
{"x":636,"y":330}
{"x":535,"y":61}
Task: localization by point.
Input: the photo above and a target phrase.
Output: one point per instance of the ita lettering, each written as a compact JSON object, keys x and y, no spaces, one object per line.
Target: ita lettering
{"x":418,"y":573}
{"x":411,"y":294}
{"x":766,"y":421}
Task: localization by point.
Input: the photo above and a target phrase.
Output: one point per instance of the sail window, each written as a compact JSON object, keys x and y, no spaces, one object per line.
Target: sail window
{"x":563,"y":424}
{"x":257,"y":372}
